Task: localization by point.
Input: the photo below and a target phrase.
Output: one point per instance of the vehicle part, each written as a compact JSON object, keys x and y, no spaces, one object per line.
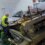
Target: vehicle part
{"x":32,"y":29}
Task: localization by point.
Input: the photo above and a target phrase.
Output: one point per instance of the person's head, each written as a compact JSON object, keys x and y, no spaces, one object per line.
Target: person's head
{"x":7,"y":15}
{"x":28,"y":7}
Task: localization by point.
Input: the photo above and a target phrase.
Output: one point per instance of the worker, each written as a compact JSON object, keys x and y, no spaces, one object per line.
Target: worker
{"x":29,"y":12}
{"x":5,"y":26}
{"x":5,"y":22}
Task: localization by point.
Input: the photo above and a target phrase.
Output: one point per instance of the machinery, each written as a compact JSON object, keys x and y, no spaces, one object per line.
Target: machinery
{"x":19,"y":38}
{"x":29,"y":32}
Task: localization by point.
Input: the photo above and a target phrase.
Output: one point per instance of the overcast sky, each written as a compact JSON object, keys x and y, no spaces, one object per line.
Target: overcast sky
{"x":23,"y":4}
{"x":8,"y":3}
{"x":7,"y":6}
{"x":12,"y":6}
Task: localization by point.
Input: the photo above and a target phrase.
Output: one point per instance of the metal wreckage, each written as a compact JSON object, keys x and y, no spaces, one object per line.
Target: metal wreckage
{"x":29,"y":31}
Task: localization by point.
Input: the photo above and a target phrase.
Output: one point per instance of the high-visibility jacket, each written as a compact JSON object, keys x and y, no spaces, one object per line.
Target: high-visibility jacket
{"x":4,"y":19}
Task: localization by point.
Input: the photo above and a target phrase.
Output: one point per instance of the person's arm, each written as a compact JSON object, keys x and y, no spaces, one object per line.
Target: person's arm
{"x":6,"y":21}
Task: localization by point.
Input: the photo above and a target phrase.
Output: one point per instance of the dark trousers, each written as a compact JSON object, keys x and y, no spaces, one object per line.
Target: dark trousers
{"x":7,"y":33}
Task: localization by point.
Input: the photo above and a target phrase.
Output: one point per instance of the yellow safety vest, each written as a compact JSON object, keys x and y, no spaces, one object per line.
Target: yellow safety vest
{"x":3,"y":21}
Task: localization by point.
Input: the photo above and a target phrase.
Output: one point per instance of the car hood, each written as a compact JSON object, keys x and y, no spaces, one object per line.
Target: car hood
{"x":10,"y":19}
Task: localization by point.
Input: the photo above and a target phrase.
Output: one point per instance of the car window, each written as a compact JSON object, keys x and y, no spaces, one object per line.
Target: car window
{"x":18,"y":14}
